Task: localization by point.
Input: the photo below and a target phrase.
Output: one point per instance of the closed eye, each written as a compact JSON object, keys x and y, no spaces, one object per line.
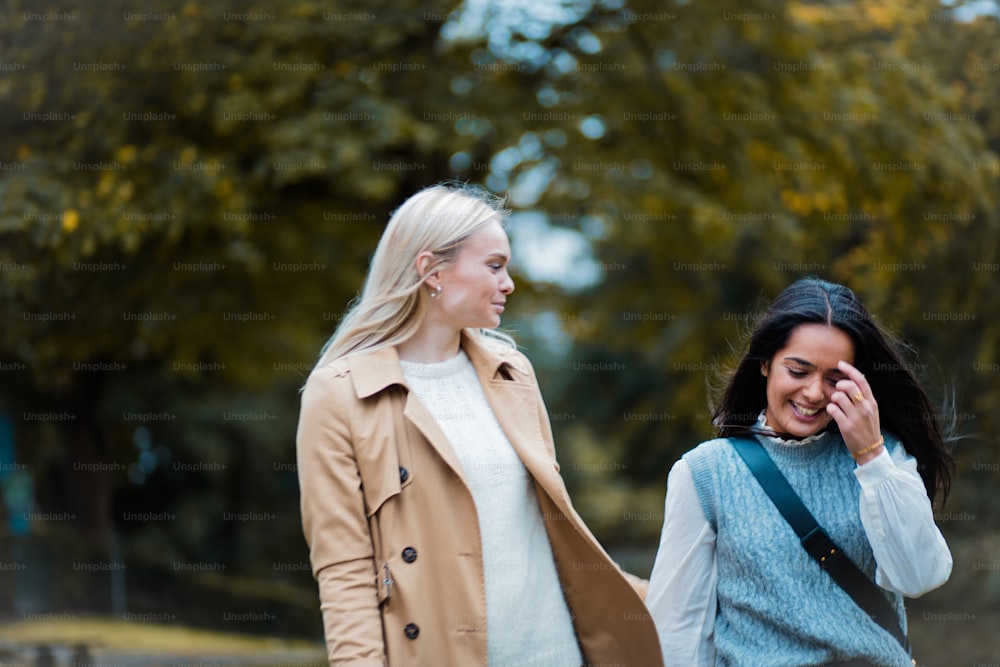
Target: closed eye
{"x":797,"y":373}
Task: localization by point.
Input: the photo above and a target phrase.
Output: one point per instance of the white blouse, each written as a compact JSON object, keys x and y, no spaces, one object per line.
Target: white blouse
{"x":911,"y":555}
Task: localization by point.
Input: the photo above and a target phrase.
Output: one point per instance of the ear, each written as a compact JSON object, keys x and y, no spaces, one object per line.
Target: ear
{"x":424,"y":261}
{"x":764,"y":366}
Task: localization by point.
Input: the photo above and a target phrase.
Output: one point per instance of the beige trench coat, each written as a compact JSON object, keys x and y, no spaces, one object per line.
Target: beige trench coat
{"x":393,"y":533}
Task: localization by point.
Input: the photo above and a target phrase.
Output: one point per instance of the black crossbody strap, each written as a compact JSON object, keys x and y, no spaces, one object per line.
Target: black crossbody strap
{"x":815,"y":540}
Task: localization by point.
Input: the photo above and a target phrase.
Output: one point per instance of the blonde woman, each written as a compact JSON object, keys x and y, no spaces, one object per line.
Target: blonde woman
{"x":440,"y":531}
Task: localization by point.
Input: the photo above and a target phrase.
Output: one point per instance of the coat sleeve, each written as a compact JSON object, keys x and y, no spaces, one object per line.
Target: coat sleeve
{"x":335,"y":523}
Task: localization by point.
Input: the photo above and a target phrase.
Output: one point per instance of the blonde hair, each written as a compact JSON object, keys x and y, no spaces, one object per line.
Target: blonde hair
{"x":392,"y":306}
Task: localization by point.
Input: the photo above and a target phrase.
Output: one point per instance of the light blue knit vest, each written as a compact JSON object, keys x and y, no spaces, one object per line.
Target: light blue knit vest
{"x":776,"y":607}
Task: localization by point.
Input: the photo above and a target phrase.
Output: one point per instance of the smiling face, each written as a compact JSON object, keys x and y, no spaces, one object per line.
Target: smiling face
{"x":802,"y":376}
{"x":474,"y":288}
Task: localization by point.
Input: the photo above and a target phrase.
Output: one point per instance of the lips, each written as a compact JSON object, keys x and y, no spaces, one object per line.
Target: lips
{"x":804,"y":412}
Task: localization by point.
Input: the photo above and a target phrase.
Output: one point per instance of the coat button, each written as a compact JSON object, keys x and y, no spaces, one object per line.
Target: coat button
{"x":411,"y":630}
{"x":409,"y":554}
{"x":404,"y":475}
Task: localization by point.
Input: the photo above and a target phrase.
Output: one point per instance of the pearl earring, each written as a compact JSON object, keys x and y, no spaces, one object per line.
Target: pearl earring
{"x":436,"y":293}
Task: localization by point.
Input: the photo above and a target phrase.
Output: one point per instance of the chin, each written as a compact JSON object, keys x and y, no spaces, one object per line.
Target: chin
{"x":791,"y":426}
{"x":801,"y":431}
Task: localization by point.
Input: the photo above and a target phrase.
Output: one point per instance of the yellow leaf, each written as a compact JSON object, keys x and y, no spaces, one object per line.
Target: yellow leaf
{"x":127,"y":153}
{"x":125,"y":190}
{"x":70,"y":220}
{"x":105,"y":184}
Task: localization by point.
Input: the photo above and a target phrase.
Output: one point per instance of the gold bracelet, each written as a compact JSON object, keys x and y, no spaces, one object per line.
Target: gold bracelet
{"x":868,"y":450}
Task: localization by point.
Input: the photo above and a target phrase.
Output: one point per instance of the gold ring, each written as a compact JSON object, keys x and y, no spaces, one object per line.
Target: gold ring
{"x":857,"y":397}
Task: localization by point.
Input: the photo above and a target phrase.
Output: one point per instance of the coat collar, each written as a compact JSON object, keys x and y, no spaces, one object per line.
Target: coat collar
{"x":510,"y":388}
{"x":375,"y":371}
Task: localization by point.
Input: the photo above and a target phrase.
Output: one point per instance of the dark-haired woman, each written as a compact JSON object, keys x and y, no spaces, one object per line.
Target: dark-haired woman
{"x":830,"y":401}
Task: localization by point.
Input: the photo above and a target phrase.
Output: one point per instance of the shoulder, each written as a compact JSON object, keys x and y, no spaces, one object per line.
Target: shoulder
{"x":503,"y":348}
{"x":499,"y":344}
{"x":332,"y":380}
{"x":709,"y":450}
{"x":327,"y":404}
{"x":707,"y":468}
{"x":715,"y":463}
{"x":709,"y":461}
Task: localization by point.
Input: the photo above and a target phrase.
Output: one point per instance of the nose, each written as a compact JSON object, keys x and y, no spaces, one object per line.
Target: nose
{"x":814,"y":391}
{"x":507,"y":284}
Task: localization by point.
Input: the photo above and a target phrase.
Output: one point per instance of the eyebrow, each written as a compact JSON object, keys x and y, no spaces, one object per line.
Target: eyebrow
{"x":809,"y":364}
{"x":802,"y":362}
{"x":499,"y":255}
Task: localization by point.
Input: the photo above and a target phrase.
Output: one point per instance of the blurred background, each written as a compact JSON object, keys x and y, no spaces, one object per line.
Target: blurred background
{"x":190,"y":193}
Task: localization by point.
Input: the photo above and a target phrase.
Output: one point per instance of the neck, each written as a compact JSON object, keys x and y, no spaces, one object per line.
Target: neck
{"x":430,"y":344}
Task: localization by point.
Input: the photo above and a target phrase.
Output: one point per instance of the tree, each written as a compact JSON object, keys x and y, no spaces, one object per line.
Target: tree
{"x":192,"y":198}
{"x":746,"y":145}
{"x":189,"y":205}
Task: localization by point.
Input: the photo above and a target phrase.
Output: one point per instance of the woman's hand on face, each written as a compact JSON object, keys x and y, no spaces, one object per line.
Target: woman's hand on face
{"x":854,"y":408}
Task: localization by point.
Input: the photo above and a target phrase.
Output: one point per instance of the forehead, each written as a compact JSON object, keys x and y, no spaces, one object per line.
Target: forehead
{"x":820,"y":345}
{"x":490,"y":238}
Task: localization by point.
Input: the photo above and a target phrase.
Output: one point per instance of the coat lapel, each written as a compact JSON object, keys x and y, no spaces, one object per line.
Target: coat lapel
{"x":418,"y":416}
{"x":511,"y":390}
{"x":376,"y":371}
{"x":518,"y":408}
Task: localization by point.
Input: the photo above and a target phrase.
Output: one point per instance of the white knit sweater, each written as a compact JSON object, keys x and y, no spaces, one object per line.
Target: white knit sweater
{"x":527,"y":620}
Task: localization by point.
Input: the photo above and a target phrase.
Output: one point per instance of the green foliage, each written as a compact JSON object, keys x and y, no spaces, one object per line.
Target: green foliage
{"x":193,"y":196}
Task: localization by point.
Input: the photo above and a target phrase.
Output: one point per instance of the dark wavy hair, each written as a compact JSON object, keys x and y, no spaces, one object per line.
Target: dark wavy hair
{"x":904,"y":408}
